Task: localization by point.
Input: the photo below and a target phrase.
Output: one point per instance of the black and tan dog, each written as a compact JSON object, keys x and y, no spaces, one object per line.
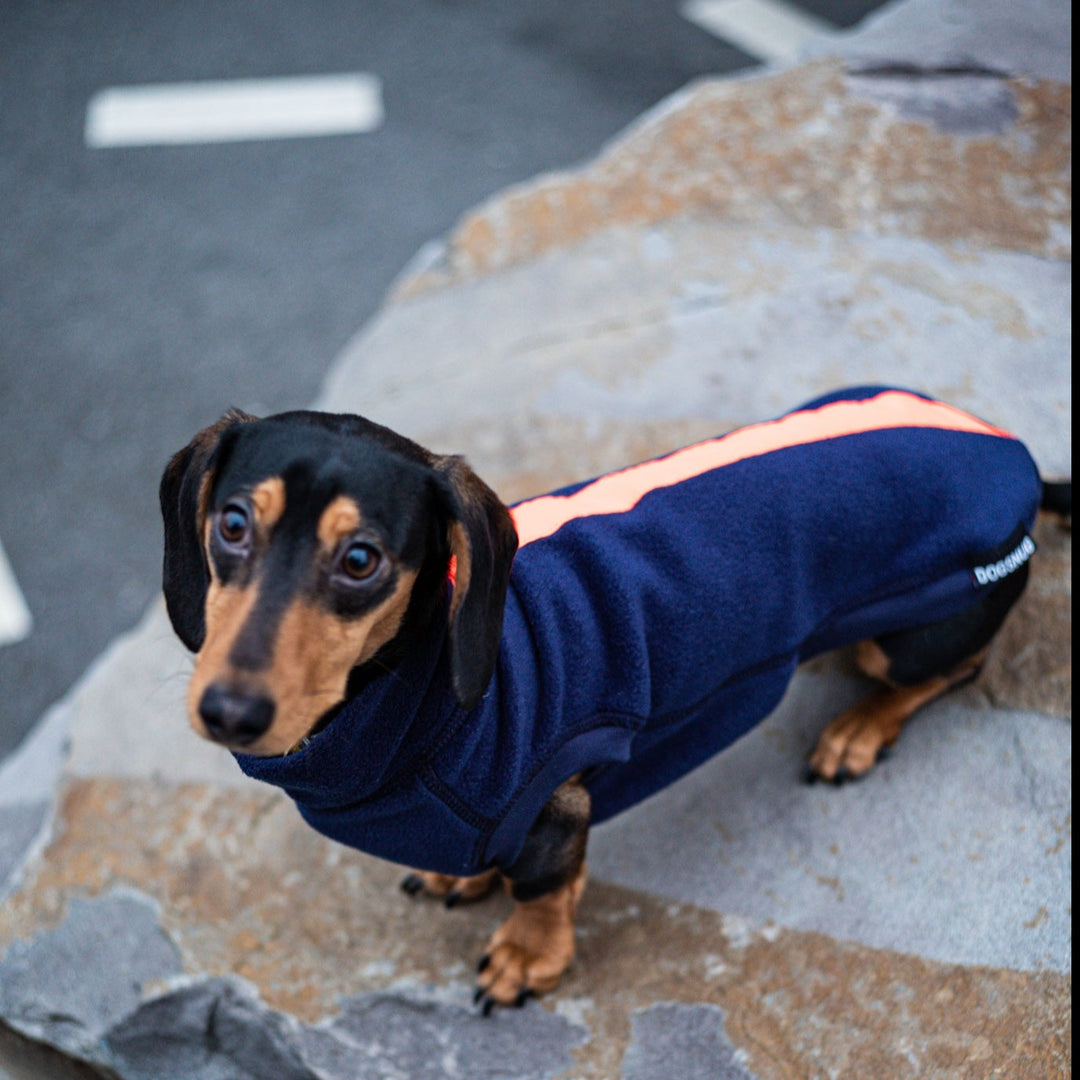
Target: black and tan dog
{"x":367,"y":640}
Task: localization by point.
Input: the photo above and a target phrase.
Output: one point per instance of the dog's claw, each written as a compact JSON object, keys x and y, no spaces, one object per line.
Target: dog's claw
{"x":478,"y":994}
{"x":522,"y":997}
{"x":482,"y":966}
{"x":489,"y":1004}
{"x":412,"y":884}
{"x":452,"y":898}
{"x":808,"y":775}
{"x":842,"y":776}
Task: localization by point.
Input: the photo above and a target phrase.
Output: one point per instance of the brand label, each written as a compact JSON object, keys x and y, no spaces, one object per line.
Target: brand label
{"x":995,"y":571}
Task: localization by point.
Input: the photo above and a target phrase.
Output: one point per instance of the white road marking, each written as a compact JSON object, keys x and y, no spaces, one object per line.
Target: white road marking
{"x":771,"y":30}
{"x":15,"y":619}
{"x":232,"y":111}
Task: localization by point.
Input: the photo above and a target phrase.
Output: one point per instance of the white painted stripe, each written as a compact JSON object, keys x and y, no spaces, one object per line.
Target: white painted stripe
{"x":238,"y":110}
{"x":771,"y":30}
{"x":15,"y":620}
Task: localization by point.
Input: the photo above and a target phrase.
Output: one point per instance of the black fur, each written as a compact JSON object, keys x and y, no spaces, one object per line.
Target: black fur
{"x":555,"y":846}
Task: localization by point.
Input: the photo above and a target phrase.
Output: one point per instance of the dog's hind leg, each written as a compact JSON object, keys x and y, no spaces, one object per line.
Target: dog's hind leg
{"x":917,"y":666}
{"x":851,"y":745}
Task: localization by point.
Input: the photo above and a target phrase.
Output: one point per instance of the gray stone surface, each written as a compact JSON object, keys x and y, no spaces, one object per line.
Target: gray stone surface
{"x":214,"y":1029}
{"x":958,"y":104}
{"x":69,"y":986}
{"x":28,"y":780}
{"x":104,"y":986}
{"x":128,"y":717}
{"x":995,"y":36}
{"x":957,"y":848}
{"x":20,"y":825}
{"x":701,"y":323}
{"x":686,"y":1042}
{"x":413,"y":1035}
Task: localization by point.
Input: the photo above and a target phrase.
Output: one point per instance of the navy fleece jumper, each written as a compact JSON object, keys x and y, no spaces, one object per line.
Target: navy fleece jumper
{"x":657,"y":614}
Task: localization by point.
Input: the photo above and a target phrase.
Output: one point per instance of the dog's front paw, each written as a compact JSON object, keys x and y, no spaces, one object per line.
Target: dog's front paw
{"x":451,"y":890}
{"x":528,"y":954}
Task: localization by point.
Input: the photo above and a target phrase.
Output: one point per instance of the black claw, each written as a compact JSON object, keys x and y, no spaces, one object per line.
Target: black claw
{"x":884,"y":753}
{"x":842,"y":776}
{"x":484,"y":961}
{"x":453,"y":897}
{"x":522,"y":997}
{"x":480,"y":992}
{"x":412,"y":884}
{"x":489,"y":1004}
{"x":808,"y":775}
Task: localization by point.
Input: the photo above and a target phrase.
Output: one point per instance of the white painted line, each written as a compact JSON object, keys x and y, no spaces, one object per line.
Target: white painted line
{"x":15,"y":619}
{"x":771,"y":30}
{"x":238,"y":110}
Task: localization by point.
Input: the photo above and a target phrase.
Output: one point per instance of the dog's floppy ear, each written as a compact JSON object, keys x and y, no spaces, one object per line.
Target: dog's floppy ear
{"x":184,"y":489}
{"x":483,"y":541}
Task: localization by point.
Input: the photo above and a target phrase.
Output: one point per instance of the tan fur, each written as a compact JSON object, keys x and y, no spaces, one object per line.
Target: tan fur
{"x":871,"y":659}
{"x":337,"y":521}
{"x":268,"y":498}
{"x":532,"y":949}
{"x":227,"y":609}
{"x":313,"y":655}
{"x":465,"y":888}
{"x":854,"y":739}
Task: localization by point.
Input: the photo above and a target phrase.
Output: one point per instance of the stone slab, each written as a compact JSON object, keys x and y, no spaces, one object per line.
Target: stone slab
{"x":1032,"y":41}
{"x":60,"y":986}
{"x":958,"y":848}
{"x":976,"y":158}
{"x":281,"y":933}
{"x":686,"y":1041}
{"x":638,"y":340}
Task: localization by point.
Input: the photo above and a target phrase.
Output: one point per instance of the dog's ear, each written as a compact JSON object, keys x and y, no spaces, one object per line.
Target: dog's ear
{"x":185,"y":488}
{"x":482,"y":541}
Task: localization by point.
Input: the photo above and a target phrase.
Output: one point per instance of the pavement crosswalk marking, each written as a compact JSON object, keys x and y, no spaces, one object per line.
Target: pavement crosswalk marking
{"x":234,"y":110}
{"x":15,"y":620}
{"x":770,"y":30}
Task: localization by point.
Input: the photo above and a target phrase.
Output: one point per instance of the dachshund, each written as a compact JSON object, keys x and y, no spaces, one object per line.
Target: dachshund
{"x":463,"y":688}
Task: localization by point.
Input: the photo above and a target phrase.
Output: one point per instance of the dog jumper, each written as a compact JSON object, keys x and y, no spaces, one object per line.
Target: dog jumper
{"x":656,"y":614}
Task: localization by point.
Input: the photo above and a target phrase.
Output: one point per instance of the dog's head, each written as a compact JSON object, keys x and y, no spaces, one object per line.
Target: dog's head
{"x":306,"y":549}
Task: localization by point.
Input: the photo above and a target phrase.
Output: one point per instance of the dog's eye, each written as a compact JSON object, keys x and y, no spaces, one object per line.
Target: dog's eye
{"x":360,"y":561}
{"x":233,"y":524}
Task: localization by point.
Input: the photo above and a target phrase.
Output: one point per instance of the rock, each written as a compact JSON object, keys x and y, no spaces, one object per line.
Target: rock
{"x":686,"y":1041}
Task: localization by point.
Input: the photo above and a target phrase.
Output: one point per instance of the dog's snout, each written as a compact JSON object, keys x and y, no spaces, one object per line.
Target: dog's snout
{"x":233,"y":717}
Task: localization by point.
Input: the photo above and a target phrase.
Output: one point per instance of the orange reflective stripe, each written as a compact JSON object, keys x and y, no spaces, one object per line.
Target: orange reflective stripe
{"x":621,"y":491}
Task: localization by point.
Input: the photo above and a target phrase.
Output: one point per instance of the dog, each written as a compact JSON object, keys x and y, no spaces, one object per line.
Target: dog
{"x":464,"y":688}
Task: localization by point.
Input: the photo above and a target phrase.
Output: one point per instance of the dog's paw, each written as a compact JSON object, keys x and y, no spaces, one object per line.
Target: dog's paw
{"x":451,"y":890}
{"x":529,"y":953}
{"x":523,"y":960}
{"x":849,"y":748}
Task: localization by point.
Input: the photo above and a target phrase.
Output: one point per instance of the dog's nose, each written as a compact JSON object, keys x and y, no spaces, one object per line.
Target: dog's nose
{"x":236,"y":719}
